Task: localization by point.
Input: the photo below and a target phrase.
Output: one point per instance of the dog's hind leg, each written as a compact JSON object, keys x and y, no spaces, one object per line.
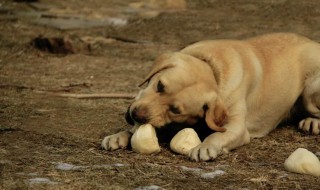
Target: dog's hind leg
{"x":311,"y":101}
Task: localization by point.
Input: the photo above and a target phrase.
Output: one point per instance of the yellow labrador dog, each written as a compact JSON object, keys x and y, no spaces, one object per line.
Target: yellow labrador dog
{"x":241,"y":89}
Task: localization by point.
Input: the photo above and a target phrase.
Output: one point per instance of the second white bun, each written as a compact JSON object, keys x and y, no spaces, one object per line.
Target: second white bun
{"x":184,"y":141}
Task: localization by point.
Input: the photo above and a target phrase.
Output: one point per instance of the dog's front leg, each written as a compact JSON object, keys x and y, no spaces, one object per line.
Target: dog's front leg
{"x":119,"y":140}
{"x":236,"y":135}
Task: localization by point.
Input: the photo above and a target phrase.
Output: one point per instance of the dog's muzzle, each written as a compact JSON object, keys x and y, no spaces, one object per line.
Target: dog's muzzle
{"x":136,"y":116}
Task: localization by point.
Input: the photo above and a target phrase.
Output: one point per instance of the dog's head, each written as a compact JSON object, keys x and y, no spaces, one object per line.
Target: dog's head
{"x":181,"y":89}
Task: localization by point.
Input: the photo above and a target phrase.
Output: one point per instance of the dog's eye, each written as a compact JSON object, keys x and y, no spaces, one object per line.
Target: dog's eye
{"x":160,"y":87}
{"x":174,"y":109}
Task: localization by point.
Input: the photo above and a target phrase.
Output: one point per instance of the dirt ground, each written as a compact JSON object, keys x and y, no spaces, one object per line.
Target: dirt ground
{"x":49,"y":142}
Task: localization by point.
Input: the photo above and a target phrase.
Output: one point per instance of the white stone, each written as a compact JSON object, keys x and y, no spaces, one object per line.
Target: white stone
{"x":150,"y":187}
{"x":187,"y":169}
{"x":145,"y":140}
{"x":66,"y":166}
{"x":184,"y":141}
{"x":214,"y":174}
{"x":304,"y":162}
{"x":41,"y":180}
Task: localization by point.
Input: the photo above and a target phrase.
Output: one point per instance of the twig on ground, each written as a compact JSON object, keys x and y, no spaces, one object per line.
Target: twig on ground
{"x":91,"y":96}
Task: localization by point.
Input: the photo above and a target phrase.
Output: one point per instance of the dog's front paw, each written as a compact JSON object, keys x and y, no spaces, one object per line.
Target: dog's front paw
{"x":116,"y":141}
{"x":204,"y":152}
{"x":310,"y":125}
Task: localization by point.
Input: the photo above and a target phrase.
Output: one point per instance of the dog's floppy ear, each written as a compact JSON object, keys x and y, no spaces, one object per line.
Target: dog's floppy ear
{"x":216,"y":115}
{"x":161,"y":64}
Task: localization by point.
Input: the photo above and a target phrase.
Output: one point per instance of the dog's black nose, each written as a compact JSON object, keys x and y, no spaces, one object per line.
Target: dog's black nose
{"x":139,"y":115}
{"x":128,"y":118}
